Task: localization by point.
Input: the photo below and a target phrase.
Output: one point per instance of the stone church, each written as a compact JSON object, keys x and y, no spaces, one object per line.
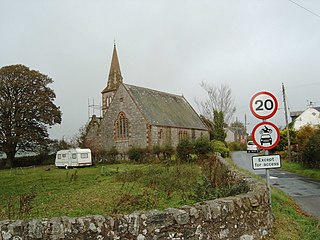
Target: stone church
{"x":135,"y":116}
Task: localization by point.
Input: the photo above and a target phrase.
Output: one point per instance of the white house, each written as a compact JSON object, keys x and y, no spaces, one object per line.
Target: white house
{"x":311,"y":116}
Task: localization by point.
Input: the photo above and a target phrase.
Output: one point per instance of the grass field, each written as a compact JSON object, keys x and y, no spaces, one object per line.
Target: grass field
{"x":48,"y":191}
{"x":39,"y":192}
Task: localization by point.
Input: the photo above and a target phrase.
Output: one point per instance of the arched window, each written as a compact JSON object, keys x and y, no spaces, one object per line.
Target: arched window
{"x":122,"y":127}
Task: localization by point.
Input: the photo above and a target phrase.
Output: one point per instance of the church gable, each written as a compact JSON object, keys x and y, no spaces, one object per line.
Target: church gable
{"x":123,"y":125}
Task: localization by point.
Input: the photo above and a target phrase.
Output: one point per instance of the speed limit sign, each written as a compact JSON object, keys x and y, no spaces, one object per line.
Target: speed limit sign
{"x":263,"y":105}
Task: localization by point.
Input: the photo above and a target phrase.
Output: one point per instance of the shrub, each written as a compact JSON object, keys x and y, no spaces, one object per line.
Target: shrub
{"x":206,"y":191}
{"x":311,"y":153}
{"x":184,"y":149}
{"x":283,"y":143}
{"x":34,"y":160}
{"x":218,"y":181}
{"x":220,"y":147}
{"x":112,"y":154}
{"x":303,"y":136}
{"x":202,"y":147}
{"x":137,"y":154}
{"x":168,"y":151}
{"x":157,"y":150}
{"x":98,"y":154}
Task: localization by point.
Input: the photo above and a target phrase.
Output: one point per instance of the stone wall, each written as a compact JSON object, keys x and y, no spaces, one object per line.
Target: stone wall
{"x":245,"y":217}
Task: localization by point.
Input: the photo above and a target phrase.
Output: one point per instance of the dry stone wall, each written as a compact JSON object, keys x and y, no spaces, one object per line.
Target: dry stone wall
{"x":246,"y":217}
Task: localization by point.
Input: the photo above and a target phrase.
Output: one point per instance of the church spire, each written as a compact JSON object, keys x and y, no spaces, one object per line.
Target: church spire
{"x":114,"y":81}
{"x":115,"y":77}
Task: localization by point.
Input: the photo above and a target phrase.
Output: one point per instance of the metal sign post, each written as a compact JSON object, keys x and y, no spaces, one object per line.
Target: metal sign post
{"x":268,"y":178}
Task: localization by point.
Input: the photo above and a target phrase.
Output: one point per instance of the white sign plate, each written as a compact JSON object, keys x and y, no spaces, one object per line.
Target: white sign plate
{"x":263,"y":105}
{"x":266,"y":162}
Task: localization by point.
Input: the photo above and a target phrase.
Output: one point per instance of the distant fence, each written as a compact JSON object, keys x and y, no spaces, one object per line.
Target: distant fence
{"x":246,"y":217}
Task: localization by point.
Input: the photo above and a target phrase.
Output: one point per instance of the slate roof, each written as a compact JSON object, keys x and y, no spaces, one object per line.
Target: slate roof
{"x":165,"y":109}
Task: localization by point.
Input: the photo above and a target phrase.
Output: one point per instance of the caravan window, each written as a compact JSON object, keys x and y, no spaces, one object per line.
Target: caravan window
{"x":59,"y":156}
{"x":74,"y":155}
{"x":64,"y":155}
{"x":84,"y":155}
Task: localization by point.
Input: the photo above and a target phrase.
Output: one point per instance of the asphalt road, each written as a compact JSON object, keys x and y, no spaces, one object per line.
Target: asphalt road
{"x":305,"y":191}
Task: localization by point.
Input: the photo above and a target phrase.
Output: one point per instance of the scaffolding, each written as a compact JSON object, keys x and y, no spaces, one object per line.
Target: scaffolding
{"x":93,"y":109}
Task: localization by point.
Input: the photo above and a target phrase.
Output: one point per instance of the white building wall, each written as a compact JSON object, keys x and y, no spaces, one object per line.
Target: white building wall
{"x":309,"y":117}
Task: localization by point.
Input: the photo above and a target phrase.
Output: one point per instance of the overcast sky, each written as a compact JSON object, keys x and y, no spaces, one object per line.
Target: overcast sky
{"x":171,"y":46}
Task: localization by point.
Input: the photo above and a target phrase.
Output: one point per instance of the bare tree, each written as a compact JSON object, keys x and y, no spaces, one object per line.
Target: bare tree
{"x":219,"y":99}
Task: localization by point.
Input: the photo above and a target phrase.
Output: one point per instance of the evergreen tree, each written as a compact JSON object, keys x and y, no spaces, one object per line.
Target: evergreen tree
{"x":218,"y":126}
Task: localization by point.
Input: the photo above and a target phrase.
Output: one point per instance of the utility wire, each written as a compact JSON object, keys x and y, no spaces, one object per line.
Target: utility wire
{"x":302,"y":85}
{"x":315,"y":14}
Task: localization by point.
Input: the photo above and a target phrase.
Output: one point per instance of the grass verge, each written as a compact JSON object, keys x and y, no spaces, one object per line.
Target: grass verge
{"x":290,"y":221}
{"x":300,"y":169}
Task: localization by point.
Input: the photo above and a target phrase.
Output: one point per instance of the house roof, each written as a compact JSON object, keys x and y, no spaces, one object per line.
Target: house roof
{"x":236,"y":130}
{"x":165,"y":109}
{"x":295,"y":113}
{"x":298,"y":113}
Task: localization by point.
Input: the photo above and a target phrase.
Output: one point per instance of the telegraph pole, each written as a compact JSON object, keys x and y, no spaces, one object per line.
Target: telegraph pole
{"x":286,"y":118}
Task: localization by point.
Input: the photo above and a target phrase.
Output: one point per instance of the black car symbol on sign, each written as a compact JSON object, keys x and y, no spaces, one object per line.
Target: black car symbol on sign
{"x":265,"y":138}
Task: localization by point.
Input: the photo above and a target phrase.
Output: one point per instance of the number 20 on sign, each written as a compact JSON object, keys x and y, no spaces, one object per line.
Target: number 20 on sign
{"x":263,"y":105}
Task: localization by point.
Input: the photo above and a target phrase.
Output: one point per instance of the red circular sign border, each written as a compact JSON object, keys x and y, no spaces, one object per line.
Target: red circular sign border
{"x":259,"y":145}
{"x":271,"y":114}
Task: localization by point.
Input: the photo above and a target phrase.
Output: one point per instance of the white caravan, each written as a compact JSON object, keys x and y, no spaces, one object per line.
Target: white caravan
{"x":73,"y":157}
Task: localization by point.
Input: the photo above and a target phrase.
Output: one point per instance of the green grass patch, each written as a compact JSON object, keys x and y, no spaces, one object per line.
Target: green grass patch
{"x":300,"y":169}
{"x":40,"y":192}
{"x":290,"y":222}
